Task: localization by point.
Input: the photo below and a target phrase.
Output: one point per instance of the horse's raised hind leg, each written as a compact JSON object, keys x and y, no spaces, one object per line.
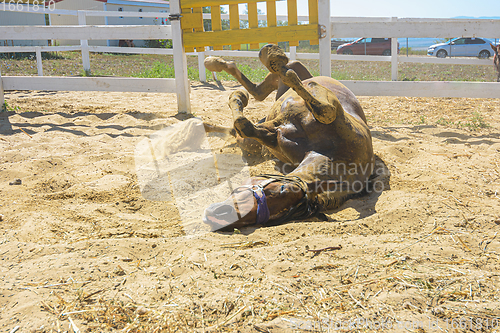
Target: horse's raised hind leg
{"x":323,"y":104}
{"x":263,"y":133}
{"x":302,"y":72}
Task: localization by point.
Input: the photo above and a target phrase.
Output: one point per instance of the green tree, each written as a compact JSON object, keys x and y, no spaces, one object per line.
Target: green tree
{"x":260,"y":23}
{"x":207,"y":24}
{"x":442,"y":40}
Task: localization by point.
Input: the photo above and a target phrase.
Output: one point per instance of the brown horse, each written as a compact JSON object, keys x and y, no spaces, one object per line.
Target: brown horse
{"x":496,"y":59}
{"x":318,"y":127}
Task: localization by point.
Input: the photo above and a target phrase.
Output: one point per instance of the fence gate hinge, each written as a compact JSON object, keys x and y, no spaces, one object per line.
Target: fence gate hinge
{"x":321,"y":31}
{"x":174,"y":17}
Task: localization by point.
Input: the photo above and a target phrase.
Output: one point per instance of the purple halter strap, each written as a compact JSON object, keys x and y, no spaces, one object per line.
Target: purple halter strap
{"x":260,"y":196}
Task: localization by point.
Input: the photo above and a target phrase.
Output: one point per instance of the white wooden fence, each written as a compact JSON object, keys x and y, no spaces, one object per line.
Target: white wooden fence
{"x":83,"y":32}
{"x":338,"y":28}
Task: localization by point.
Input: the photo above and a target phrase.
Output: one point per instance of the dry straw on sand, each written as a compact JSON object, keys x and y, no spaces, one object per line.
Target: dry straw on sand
{"x":82,"y":250}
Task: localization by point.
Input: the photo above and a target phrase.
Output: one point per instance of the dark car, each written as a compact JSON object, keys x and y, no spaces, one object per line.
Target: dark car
{"x":367,"y":46}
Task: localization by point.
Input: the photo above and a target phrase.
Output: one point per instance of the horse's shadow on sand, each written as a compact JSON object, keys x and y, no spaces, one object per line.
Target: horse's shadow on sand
{"x":364,"y":203}
{"x":217,"y":86}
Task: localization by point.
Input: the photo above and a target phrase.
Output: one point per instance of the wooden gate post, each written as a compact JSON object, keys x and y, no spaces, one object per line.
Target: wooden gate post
{"x":201,"y":66}
{"x":293,"y":53}
{"x":394,"y":55}
{"x":82,"y":20}
{"x":180,"y":61}
{"x":39,"y":66}
{"x":325,"y":46}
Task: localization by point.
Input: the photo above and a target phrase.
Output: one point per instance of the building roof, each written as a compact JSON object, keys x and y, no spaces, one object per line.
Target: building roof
{"x":161,"y":3}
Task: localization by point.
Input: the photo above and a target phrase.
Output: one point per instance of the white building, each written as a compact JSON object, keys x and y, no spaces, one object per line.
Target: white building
{"x":20,"y":18}
{"x":159,"y":6}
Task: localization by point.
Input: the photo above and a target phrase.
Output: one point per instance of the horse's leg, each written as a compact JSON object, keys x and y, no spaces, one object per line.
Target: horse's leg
{"x":323,"y":104}
{"x":248,"y":146}
{"x":209,"y":128}
{"x":302,"y":72}
{"x":258,"y":91}
{"x":264,"y":133}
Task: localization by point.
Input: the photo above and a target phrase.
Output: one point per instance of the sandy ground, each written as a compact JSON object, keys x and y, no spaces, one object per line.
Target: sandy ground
{"x":81,"y":248}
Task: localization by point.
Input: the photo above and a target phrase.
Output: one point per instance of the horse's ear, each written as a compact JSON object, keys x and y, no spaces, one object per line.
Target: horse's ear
{"x":493,"y":47}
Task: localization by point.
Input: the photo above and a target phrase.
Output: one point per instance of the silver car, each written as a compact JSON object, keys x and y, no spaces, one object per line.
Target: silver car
{"x":461,"y":47}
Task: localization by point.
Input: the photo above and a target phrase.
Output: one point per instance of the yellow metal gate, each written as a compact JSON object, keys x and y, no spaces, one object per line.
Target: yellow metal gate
{"x":194,"y":35}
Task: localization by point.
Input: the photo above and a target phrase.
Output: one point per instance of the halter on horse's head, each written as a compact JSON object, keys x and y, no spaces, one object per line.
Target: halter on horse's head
{"x":271,"y":201}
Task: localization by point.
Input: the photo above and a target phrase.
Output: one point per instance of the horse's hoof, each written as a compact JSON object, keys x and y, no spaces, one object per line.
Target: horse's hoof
{"x":241,"y":96}
{"x":273,"y":58}
{"x":215,"y":64}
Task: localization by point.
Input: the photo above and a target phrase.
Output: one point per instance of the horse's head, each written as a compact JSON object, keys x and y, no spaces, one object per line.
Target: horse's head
{"x":259,"y":201}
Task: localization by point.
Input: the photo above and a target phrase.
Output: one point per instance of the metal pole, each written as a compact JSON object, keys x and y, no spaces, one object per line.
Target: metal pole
{"x":105,"y":8}
{"x":2,"y":96}
{"x":406,"y":46}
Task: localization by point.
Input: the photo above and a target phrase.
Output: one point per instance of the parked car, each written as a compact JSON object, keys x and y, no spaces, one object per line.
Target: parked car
{"x":461,"y":47}
{"x":367,"y":46}
{"x":335,"y":43}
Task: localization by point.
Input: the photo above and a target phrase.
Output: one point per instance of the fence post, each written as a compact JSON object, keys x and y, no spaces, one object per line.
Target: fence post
{"x":82,"y":20}
{"x":394,"y":55}
{"x":180,"y":61}
{"x":293,"y":52}
{"x":201,"y":66}
{"x":39,"y":65}
{"x":325,"y":51}
{"x":2,"y":96}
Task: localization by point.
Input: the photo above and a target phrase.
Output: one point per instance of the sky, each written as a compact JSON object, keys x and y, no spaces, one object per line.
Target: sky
{"x":404,"y":8}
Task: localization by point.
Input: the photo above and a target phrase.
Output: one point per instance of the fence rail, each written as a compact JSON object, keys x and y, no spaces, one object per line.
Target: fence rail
{"x":345,"y":27}
{"x":30,"y":9}
{"x":64,"y":83}
{"x":425,"y":89}
{"x":424,"y":28}
{"x":87,"y":32}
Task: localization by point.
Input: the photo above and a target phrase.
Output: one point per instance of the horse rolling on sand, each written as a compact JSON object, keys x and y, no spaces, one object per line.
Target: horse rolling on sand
{"x":318,"y":127}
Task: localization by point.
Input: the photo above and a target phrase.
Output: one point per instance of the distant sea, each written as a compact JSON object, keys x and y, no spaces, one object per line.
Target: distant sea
{"x":424,"y":43}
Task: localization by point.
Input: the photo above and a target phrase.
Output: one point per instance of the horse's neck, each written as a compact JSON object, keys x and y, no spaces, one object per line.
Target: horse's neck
{"x":314,"y":167}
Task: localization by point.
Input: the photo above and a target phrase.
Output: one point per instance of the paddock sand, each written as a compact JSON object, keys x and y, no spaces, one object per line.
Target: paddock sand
{"x":79,"y":241}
